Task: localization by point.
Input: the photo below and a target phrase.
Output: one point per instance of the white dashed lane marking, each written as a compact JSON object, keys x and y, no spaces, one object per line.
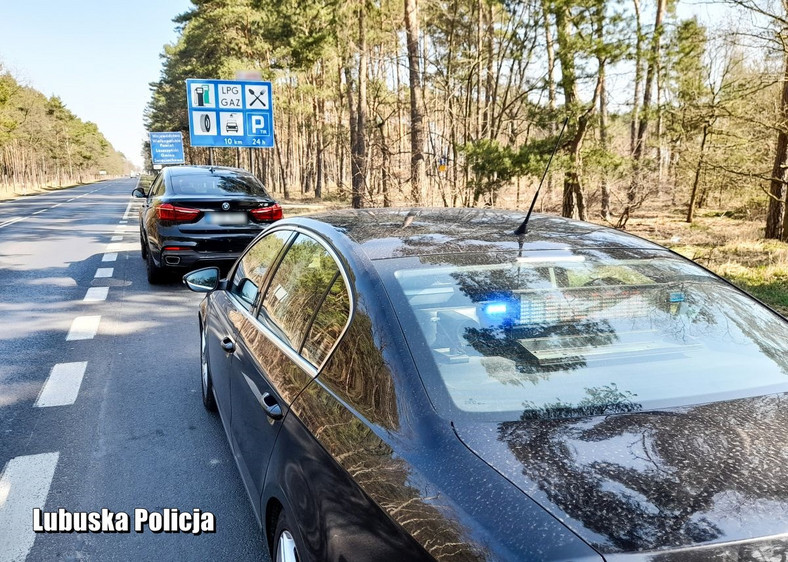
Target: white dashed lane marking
{"x":112,"y":256}
{"x":96,"y":294}
{"x":62,"y":386}
{"x":122,"y":246}
{"x":24,"y":485}
{"x":12,"y":221}
{"x":104,"y":272}
{"x":83,"y":328}
{"x":116,"y":238}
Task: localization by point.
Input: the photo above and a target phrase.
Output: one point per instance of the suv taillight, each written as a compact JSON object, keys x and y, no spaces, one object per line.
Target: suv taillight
{"x":169,"y":212}
{"x":272,"y":213}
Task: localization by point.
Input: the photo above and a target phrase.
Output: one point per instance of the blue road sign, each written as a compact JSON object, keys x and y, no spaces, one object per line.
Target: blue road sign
{"x":166,"y":148}
{"x":230,"y":113}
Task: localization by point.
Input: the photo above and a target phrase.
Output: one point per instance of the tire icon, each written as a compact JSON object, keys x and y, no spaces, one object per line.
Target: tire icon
{"x":206,"y":123}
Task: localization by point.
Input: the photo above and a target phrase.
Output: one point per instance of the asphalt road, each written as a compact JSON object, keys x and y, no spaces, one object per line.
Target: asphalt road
{"x":100,"y":391}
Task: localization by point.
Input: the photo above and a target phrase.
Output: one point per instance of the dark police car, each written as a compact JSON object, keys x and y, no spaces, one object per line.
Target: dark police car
{"x":425,"y":384}
{"x":199,"y":215}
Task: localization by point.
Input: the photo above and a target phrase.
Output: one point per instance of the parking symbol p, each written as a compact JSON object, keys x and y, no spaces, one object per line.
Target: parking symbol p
{"x":257,"y":124}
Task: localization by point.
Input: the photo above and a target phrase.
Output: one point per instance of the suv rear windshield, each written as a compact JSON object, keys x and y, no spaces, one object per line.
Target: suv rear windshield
{"x":560,"y":334}
{"x":216,"y":184}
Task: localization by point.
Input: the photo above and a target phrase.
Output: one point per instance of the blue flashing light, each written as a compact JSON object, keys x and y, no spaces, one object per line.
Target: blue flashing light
{"x":676,"y":297}
{"x":495,"y":308}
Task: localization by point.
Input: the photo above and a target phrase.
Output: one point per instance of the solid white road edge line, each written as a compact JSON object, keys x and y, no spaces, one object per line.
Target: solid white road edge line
{"x":62,"y":386}
{"x":24,"y":485}
{"x":83,"y":328}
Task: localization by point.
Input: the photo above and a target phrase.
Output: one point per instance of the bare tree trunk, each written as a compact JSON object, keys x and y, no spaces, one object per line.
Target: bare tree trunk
{"x":283,"y":173}
{"x":359,"y":147}
{"x":635,"y":185}
{"x":698,"y":168}
{"x":319,"y":108}
{"x":489,"y":78}
{"x":600,"y":31}
{"x":660,"y":132}
{"x":573,"y":191}
{"x":352,"y":117}
{"x":638,"y":77}
{"x":551,"y":94}
{"x":776,"y":225}
{"x":418,"y":167}
{"x":385,"y":165}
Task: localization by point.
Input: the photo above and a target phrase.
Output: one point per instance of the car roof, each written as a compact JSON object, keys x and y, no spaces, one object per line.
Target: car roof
{"x":384,"y":233}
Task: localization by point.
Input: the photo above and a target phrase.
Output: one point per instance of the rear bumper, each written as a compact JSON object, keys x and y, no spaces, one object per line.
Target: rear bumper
{"x":189,"y":259}
{"x":191,"y":252}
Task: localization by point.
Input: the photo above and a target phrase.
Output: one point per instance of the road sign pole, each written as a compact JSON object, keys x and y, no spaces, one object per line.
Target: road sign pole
{"x":210,"y":155}
{"x":251,"y":161}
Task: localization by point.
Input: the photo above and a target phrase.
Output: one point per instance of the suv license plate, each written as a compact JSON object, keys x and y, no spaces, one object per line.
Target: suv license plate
{"x":227,"y":218}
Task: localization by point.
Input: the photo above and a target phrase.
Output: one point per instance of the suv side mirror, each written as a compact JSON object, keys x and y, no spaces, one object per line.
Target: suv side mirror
{"x":202,"y":280}
{"x":139,"y":192}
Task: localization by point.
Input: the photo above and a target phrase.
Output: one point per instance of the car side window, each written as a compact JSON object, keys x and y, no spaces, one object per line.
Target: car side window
{"x":328,"y":323}
{"x":157,"y":188}
{"x":301,"y":282}
{"x":253,"y":266}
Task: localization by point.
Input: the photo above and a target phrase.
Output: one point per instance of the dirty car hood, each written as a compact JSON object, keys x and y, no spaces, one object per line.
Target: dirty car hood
{"x":701,"y":482}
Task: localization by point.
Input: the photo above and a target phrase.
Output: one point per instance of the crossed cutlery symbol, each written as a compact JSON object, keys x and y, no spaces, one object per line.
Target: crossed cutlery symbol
{"x":257,"y":97}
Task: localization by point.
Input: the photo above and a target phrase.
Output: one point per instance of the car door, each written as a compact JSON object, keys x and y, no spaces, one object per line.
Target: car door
{"x":228,"y":309}
{"x":148,"y":217}
{"x":267,"y":370}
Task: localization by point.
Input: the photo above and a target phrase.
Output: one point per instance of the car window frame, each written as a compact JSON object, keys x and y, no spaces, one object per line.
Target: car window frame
{"x":266,"y":278}
{"x":158,"y":182}
{"x":259,"y":308}
{"x":253,"y":315}
{"x":348,"y":287}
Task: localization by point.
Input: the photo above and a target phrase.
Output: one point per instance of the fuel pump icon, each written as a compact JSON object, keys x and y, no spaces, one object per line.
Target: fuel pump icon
{"x":202,"y":95}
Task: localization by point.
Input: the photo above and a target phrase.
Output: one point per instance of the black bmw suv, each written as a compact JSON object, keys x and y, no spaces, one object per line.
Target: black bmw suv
{"x":201,"y":215}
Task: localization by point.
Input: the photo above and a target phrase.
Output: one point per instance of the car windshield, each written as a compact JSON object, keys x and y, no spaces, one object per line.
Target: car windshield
{"x":216,"y":184}
{"x":562,"y":334}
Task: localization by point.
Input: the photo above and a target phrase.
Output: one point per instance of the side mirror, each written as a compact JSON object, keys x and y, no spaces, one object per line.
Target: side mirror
{"x":202,"y":280}
{"x":139,"y":192}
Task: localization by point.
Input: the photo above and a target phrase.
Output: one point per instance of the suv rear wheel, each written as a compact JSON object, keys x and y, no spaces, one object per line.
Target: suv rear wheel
{"x":143,"y":247}
{"x":156,"y":274}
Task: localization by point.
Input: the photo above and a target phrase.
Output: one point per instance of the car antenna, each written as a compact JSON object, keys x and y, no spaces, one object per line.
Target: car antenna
{"x":523,"y":228}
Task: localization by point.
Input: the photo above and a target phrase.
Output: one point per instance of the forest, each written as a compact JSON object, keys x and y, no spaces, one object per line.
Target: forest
{"x":460,"y":102}
{"x":43,"y":144}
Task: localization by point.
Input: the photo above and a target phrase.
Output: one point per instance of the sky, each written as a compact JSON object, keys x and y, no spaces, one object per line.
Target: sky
{"x":98,"y":56}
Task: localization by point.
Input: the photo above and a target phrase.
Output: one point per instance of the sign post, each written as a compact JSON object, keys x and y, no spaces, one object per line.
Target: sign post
{"x":230,"y":113}
{"x":166,"y":148}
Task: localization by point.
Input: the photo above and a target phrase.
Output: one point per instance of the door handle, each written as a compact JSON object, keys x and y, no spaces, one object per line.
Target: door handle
{"x":272,"y":409}
{"x":228,"y":344}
